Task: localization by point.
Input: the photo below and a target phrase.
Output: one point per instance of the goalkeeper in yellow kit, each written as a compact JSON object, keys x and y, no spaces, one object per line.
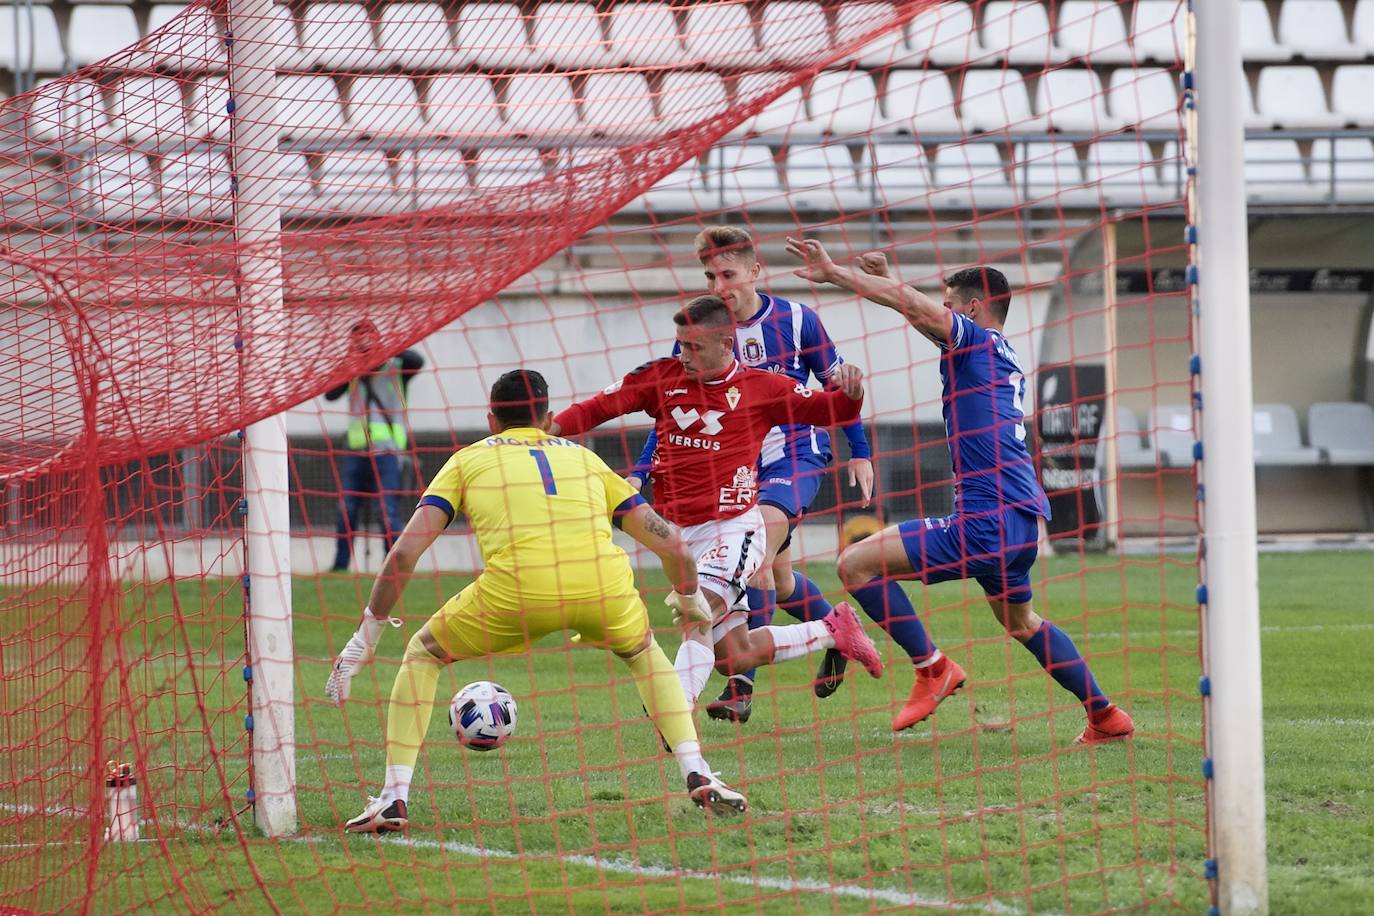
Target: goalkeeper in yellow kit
{"x":542,"y":508}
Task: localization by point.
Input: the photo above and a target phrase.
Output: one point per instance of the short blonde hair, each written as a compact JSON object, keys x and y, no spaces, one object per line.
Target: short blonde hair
{"x":731,"y":240}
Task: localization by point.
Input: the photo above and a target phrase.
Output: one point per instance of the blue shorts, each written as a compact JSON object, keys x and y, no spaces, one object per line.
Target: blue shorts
{"x":791,"y":483}
{"x":996,"y":547}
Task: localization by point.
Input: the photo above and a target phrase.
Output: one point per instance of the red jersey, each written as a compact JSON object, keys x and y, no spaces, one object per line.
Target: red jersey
{"x":709,"y":433}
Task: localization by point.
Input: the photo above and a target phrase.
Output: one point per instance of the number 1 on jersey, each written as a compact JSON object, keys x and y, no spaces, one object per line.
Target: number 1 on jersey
{"x":545,"y":472}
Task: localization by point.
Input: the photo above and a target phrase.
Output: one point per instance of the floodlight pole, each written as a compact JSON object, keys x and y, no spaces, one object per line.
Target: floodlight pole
{"x":1234,"y":739}
{"x":257,"y":234}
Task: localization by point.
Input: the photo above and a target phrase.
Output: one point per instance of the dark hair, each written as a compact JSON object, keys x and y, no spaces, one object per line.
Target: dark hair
{"x":705,"y":312}
{"x":986,"y":283}
{"x":728,"y":240}
{"x":520,"y":398}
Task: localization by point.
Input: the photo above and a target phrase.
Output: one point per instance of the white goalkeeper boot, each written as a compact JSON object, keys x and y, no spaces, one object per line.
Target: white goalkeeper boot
{"x":380,"y":817}
{"x":712,"y":795}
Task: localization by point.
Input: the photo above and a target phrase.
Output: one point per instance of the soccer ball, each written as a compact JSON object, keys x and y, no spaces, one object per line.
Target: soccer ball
{"x":482,"y":715}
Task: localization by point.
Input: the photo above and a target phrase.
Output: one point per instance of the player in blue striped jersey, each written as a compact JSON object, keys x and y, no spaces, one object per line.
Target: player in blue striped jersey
{"x":787,"y":338}
{"x":992,"y":536}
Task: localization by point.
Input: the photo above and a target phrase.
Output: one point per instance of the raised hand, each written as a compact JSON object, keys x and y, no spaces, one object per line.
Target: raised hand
{"x":875,"y":264}
{"x":816,"y":263}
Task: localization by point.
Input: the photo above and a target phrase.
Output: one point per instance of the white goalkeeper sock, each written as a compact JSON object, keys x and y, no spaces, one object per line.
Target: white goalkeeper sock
{"x":799,"y":639}
{"x":689,"y":759}
{"x":694,"y":663}
{"x":397,"y":783}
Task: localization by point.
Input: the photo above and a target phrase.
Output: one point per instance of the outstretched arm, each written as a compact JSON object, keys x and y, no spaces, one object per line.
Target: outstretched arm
{"x":875,"y":283}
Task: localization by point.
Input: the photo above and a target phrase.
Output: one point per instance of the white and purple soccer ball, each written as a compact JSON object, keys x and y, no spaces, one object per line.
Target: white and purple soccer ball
{"x":482,"y":715}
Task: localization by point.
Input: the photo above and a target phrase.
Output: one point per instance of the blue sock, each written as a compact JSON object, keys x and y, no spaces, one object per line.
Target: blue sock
{"x":885,"y":602}
{"x":806,"y":602}
{"x":761,"y":603}
{"x":1057,"y":654}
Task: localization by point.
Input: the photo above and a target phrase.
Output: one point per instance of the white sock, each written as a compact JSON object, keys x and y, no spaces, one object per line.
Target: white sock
{"x":694,"y":663}
{"x":689,"y":759}
{"x":397,"y":783}
{"x":799,"y":639}
{"x":934,"y":657}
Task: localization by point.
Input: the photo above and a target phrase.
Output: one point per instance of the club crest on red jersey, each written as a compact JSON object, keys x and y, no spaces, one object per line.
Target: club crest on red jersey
{"x":732,"y":397}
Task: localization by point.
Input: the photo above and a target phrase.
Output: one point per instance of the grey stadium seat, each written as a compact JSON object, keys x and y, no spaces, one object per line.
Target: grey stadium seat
{"x":1277,"y":440}
{"x":1172,"y":430}
{"x":1132,"y":449}
{"x":1343,"y":431}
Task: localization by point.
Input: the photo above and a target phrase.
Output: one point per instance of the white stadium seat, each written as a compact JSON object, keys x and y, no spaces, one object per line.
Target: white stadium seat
{"x":1050,"y":173}
{"x":1171,"y":427}
{"x":416,"y":36}
{"x":509,"y":168}
{"x":1093,"y":31}
{"x":1018,"y":31}
{"x":68,"y":113}
{"x":1274,"y":173}
{"x":1073,"y":100}
{"x":1158,"y":31}
{"x":1292,"y":98}
{"x":96,"y":32}
{"x":618,"y":104}
{"x":296,"y":187}
{"x":1132,"y":449}
{"x":853,"y":20}
{"x":901,"y":172}
{"x":1257,"y":34}
{"x":359,"y":183}
{"x":384,"y":106}
{"x":441,"y":178}
{"x":645,"y":35}
{"x":794,"y":31}
{"x":688,"y":98}
{"x":541,"y":105}
{"x":308,"y":109}
{"x":194,"y":42}
{"x":1352,"y":95}
{"x":1146,"y":99}
{"x":197,"y":185}
{"x":971,"y":176}
{"x":207,"y":118}
{"x":722,"y":35}
{"x":337,"y":37}
{"x":682,"y":190}
{"x":463,"y":105}
{"x":997,"y":100}
{"x":289,"y":53}
{"x":39,"y":24}
{"x":568,"y":36}
{"x":844,"y":103}
{"x":1125,"y":173}
{"x":492,"y":36}
{"x":149,"y":111}
{"x":118,"y":187}
{"x":1315,"y":29}
{"x":1343,"y":170}
{"x":744,"y":176}
{"x":824,"y":178}
{"x":919,"y":102}
{"x":783,"y":115}
{"x":944,"y":34}
{"x":1362,"y":25}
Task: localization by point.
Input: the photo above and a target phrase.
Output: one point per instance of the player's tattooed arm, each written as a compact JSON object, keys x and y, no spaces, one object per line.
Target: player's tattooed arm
{"x":665,"y":539}
{"x":657,"y":525}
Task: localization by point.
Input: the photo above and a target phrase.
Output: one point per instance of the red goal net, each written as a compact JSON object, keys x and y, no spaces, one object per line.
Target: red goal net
{"x":486,"y":186}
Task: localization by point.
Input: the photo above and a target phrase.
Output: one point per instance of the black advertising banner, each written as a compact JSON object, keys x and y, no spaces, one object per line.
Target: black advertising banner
{"x":1070,"y":404}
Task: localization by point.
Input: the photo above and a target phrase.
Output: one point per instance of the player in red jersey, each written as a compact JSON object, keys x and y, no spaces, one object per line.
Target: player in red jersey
{"x":712,"y":414}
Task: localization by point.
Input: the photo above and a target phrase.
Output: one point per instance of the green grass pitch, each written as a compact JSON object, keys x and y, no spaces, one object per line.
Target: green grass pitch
{"x":987,"y":807}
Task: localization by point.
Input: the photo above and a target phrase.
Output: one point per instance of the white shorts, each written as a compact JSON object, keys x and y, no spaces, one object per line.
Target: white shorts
{"x":728,"y":552}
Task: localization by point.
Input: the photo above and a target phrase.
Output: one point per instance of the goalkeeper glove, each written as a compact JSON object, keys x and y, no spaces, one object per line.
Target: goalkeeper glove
{"x":690,"y":610}
{"x":356,"y":653}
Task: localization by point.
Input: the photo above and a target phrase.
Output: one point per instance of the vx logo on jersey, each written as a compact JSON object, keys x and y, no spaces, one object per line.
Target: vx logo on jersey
{"x":710,"y":421}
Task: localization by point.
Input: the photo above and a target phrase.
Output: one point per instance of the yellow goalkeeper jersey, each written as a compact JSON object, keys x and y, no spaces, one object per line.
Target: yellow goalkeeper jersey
{"x":542,"y":509}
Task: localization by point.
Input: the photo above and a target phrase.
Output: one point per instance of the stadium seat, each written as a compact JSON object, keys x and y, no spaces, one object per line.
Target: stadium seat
{"x":359,"y":183}
{"x":618,"y":104}
{"x":1126,"y":173}
{"x":207,"y":118}
{"x":1133,"y":448}
{"x":118,"y":188}
{"x":541,"y":105}
{"x":296,"y":188}
{"x":944,"y":34}
{"x":193,"y":43}
{"x":1362,"y":25}
{"x":971,"y":176}
{"x":1315,"y":30}
{"x":1158,"y":32}
{"x":337,"y":37}
{"x":1277,"y":440}
{"x":645,"y":35}
{"x":779,"y":117}
{"x":441,"y":178}
{"x":1274,"y":173}
{"x":1257,"y":42}
{"x":1145,"y":99}
{"x":1018,"y":32}
{"x":1292,"y":98}
{"x":919,"y":102}
{"x":1172,"y":431}
{"x":901,"y":173}
{"x":384,"y":106}
{"x":36,"y":22}
{"x":853,"y":20}
{"x":681,"y":191}
{"x":794,"y":32}
{"x":1343,"y":169}
{"x":149,"y":111}
{"x":568,"y":36}
{"x":1092,"y":31}
{"x":463,"y":105}
{"x":197,"y":185}
{"x":1073,"y":100}
{"x":70,"y":114}
{"x":688,"y":98}
{"x":508,"y":167}
{"x":492,"y":36}
{"x":309,"y":110}
{"x":416,"y":36}
{"x":824,"y":178}
{"x":744,"y":175}
{"x":722,"y":35}
{"x":996,"y":100}
{"x":1049,"y":174}
{"x":1342,"y":431}
{"x":289,"y":53}
{"x":844,"y":103}
{"x":96,"y":32}
{"x":1352,"y":95}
